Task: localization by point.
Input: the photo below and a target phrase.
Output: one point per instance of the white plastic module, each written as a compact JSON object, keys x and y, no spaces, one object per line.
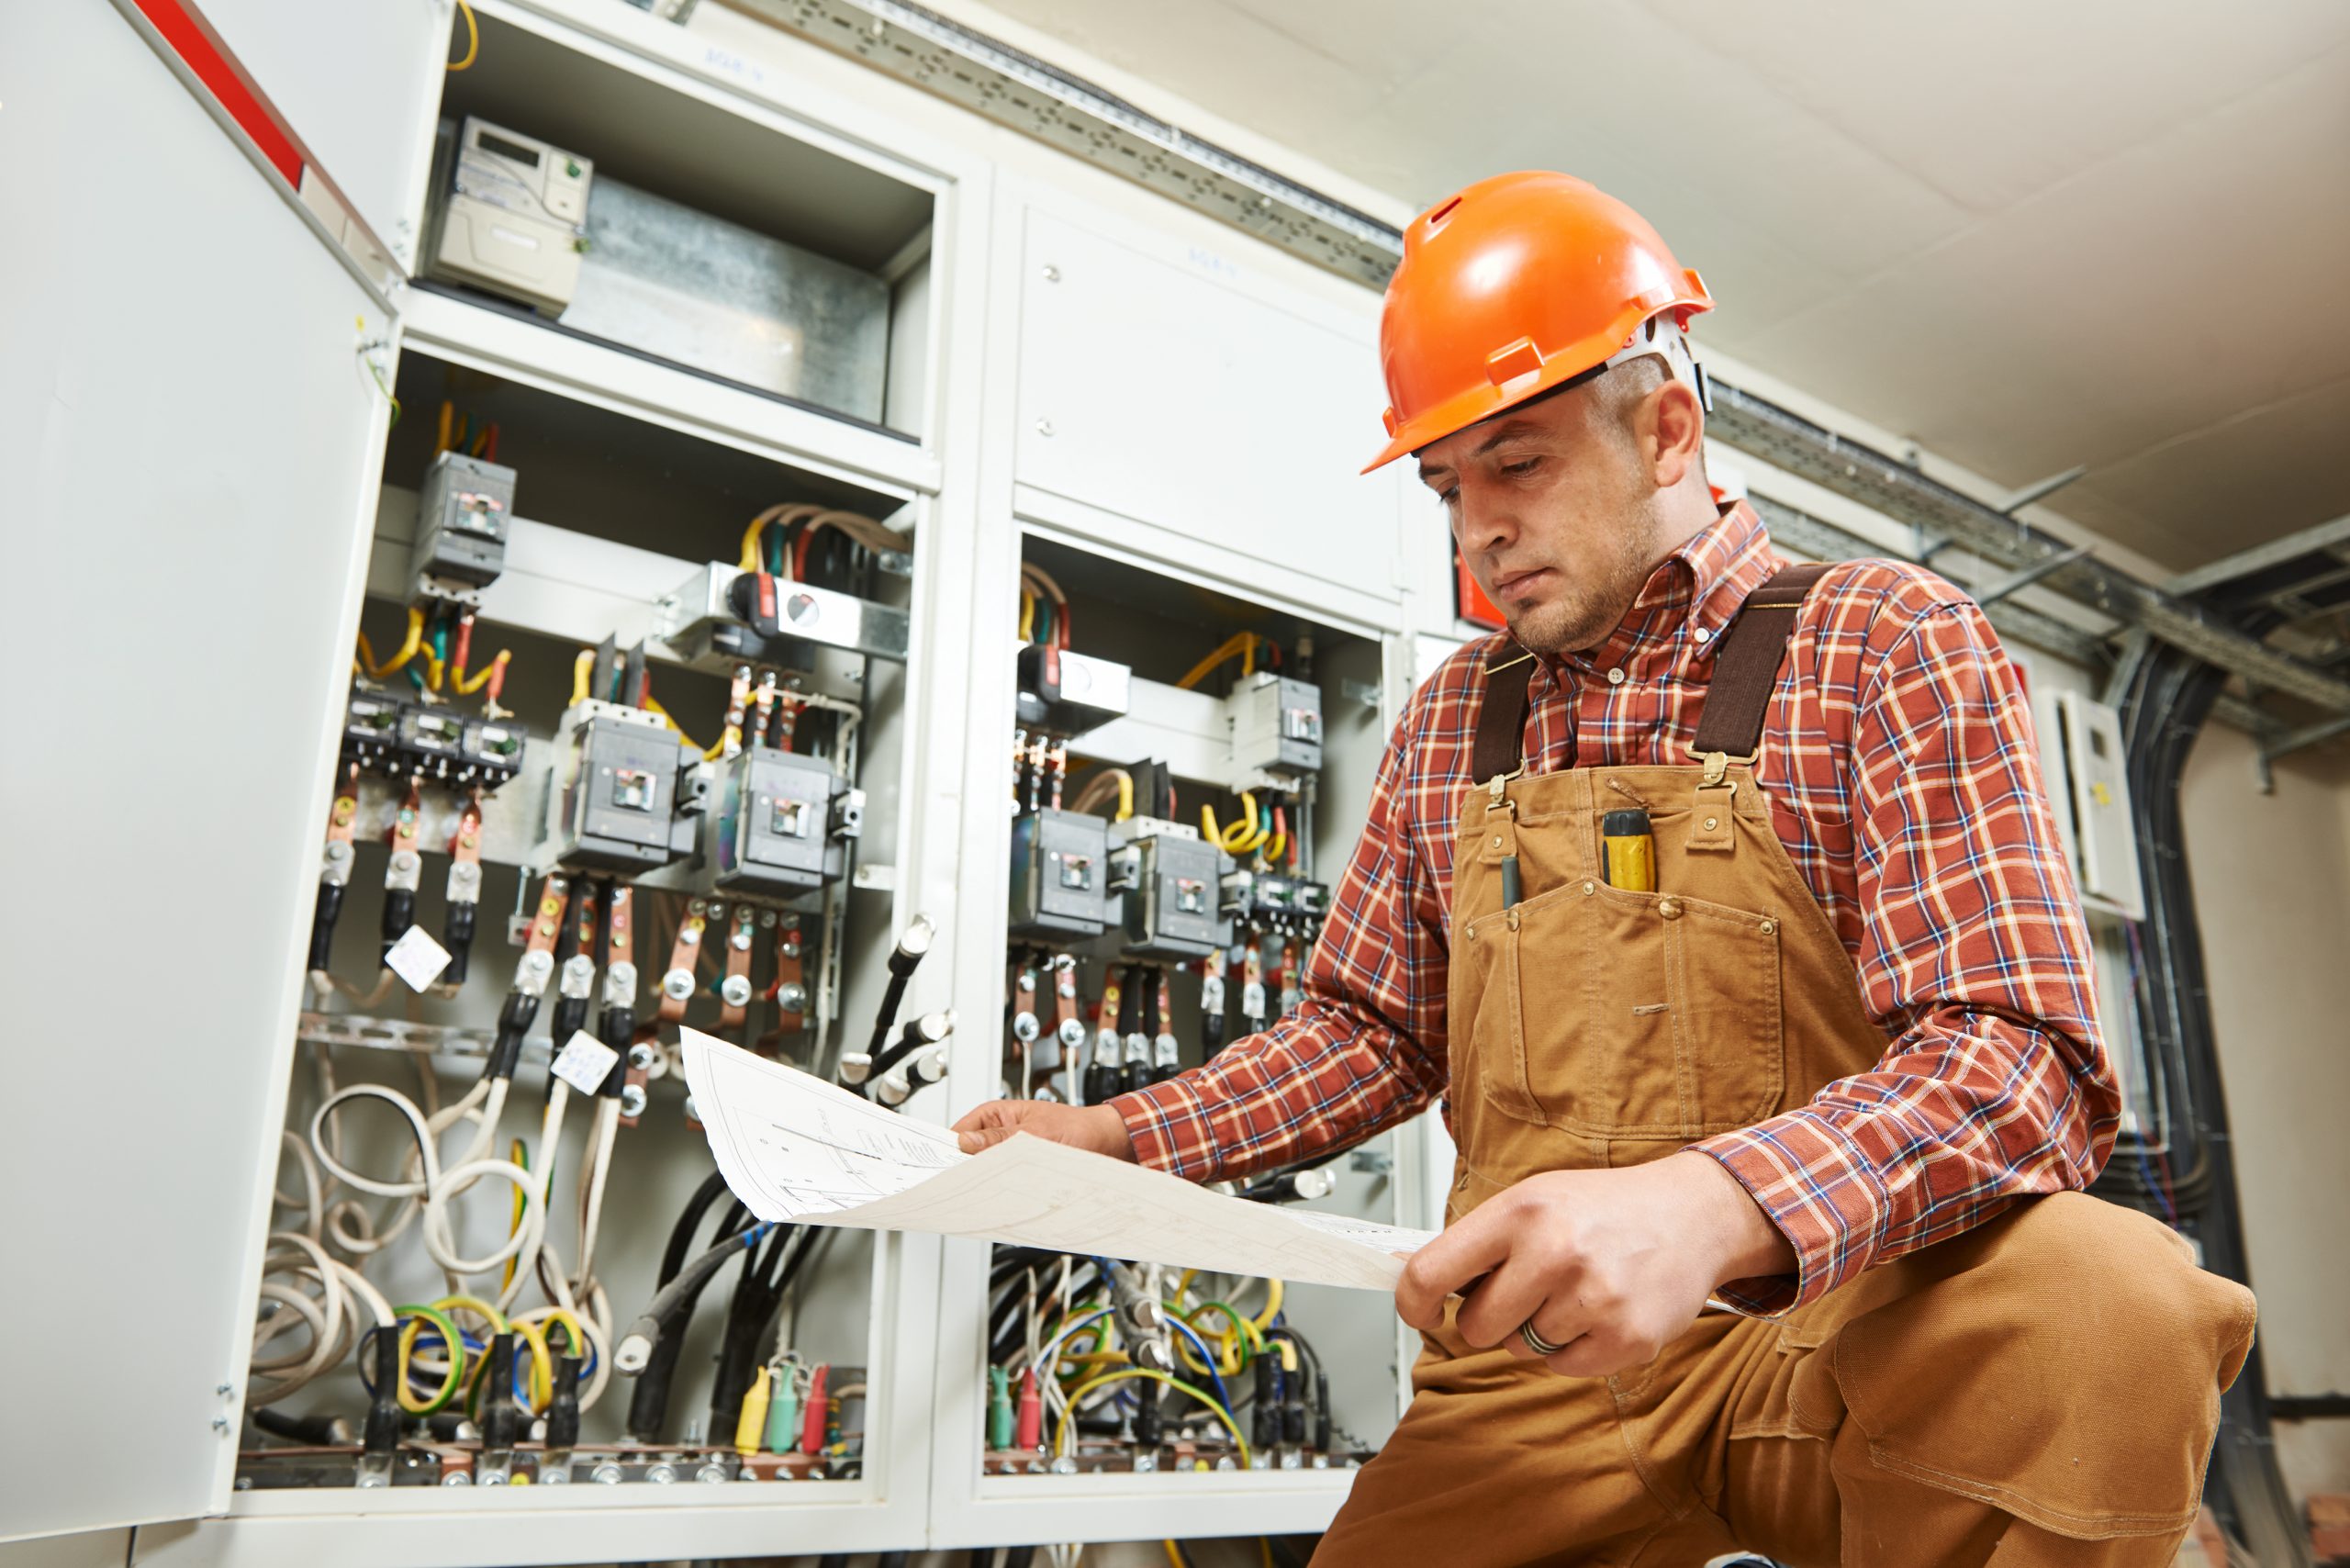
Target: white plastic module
{"x":2104,"y":830}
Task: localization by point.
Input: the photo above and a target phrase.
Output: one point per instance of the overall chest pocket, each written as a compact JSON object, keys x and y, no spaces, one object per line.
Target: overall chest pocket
{"x":1629,"y":1014}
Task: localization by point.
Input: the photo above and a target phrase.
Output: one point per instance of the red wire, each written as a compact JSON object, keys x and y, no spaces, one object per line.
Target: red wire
{"x":800,"y":555}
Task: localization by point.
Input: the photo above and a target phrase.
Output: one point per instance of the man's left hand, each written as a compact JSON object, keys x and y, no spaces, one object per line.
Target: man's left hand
{"x":1610,"y":1265}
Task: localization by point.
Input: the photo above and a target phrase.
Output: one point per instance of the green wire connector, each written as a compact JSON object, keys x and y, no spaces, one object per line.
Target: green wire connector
{"x":999,"y":1418}
{"x":783,"y":1411}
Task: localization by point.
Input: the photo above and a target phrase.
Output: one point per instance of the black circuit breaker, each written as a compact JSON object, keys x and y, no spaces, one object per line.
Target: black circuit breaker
{"x":783,"y":823}
{"x":1059,"y":875}
{"x":462,"y":519}
{"x":619,"y":802}
{"x":1168,"y":884}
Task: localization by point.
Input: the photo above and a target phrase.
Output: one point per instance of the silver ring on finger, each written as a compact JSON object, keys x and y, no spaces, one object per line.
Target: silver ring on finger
{"x":1535,"y":1343}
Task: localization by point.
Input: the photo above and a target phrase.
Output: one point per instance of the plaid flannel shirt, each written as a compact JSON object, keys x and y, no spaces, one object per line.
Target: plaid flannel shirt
{"x":1901,"y":772}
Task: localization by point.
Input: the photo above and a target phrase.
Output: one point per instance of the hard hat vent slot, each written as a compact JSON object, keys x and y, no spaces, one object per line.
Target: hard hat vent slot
{"x":1435,"y":219}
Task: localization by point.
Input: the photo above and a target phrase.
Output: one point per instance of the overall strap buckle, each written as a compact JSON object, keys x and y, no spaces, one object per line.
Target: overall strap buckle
{"x":1716,"y":767}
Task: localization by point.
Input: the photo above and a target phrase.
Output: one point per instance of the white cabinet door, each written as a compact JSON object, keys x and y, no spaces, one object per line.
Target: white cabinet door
{"x":359,"y":82}
{"x":1178,"y":395}
{"x":187,"y":437}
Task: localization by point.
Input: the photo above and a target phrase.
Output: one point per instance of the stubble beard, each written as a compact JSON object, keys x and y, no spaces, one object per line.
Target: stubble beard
{"x":1583,"y":613}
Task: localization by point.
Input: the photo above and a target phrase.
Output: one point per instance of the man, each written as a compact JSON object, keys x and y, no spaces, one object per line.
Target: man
{"x":1839,"y":1071}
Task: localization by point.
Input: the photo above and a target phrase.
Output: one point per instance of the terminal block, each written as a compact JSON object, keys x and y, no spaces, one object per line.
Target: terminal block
{"x":1276,"y":724}
{"x":461,"y":519}
{"x":1266,"y":901}
{"x":1168,"y":881}
{"x":383,"y":735}
{"x":1059,"y":875}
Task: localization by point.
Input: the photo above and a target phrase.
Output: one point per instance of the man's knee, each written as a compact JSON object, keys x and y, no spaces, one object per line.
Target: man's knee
{"x":2102,"y":1299}
{"x":2065,"y":1359}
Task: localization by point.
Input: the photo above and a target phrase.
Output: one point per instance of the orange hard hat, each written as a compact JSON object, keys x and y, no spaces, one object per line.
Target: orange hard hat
{"x":1510,"y":287}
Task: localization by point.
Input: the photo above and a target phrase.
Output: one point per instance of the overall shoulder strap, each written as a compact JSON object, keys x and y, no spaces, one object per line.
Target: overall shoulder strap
{"x":1499,"y":746}
{"x":1746,"y":666}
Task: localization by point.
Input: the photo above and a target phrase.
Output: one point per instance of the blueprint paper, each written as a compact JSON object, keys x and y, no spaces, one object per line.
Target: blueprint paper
{"x":797,"y":1150}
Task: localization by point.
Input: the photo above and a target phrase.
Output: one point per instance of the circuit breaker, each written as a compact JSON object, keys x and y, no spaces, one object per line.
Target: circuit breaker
{"x":513,"y":215}
{"x":1169,"y":881}
{"x":1276,"y":730}
{"x":612,"y":805}
{"x":461,"y":519}
{"x":1059,"y":875}
{"x":782,"y":823}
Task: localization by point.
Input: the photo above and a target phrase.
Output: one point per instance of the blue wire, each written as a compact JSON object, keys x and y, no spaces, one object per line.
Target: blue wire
{"x":1207,"y":1359}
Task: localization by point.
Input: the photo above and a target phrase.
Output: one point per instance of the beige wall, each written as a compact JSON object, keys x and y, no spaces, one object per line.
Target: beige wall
{"x":2272,"y":887}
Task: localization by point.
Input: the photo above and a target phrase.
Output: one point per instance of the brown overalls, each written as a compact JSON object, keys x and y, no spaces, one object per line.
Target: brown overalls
{"x":2043,"y":1389}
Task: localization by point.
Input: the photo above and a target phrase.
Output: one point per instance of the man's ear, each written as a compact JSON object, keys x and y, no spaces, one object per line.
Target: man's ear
{"x":1677,"y":423}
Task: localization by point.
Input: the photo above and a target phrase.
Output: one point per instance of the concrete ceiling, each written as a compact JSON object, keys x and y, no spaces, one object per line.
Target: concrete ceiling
{"x":2112,"y":232}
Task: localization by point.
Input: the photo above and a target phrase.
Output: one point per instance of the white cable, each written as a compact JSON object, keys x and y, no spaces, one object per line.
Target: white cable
{"x":436,"y":1187}
{"x":591,"y":1212}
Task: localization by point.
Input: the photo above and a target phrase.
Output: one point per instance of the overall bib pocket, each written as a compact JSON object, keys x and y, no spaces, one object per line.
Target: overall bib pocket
{"x":1629,"y":1014}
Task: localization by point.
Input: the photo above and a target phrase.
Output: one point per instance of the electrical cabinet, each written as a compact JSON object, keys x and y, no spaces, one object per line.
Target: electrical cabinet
{"x":478,"y":874}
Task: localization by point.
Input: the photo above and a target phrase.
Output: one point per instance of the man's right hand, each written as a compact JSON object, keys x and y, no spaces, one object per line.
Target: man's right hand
{"x":1097,"y":1127}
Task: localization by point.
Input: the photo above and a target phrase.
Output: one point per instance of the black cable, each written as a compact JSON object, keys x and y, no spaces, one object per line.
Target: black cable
{"x":501,"y":1418}
{"x":757,"y":1295}
{"x":322,"y":919}
{"x":382,"y":1431}
{"x":681,"y":1235}
{"x":563,"y":1407}
{"x":325,"y":1430}
{"x":570,"y":1011}
{"x":669,"y":1307}
{"x":457,"y":937}
{"x":648,"y":1404}
{"x":906,"y":956}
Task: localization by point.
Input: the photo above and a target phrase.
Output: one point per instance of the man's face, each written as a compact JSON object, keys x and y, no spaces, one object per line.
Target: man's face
{"x":1554,"y":509}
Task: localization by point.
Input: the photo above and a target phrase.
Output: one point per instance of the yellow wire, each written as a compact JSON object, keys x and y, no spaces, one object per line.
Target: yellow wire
{"x":1266,"y":1546}
{"x":453,"y":1349}
{"x":473,"y":1304}
{"x":1126,"y":795}
{"x":580,"y":669}
{"x":1243,"y":834}
{"x":540,"y":1389}
{"x":414,"y":640}
{"x":653,"y":705}
{"x":1227,"y":1351}
{"x":434,"y":668}
{"x":1272,"y":1305}
{"x":1242,"y":643}
{"x":1060,"y":1431}
{"x":520,"y":1153}
{"x":1214,"y":834}
{"x":472,"y":40}
{"x":1027,"y":616}
{"x":479,"y":678}
{"x":1174,"y":1557}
